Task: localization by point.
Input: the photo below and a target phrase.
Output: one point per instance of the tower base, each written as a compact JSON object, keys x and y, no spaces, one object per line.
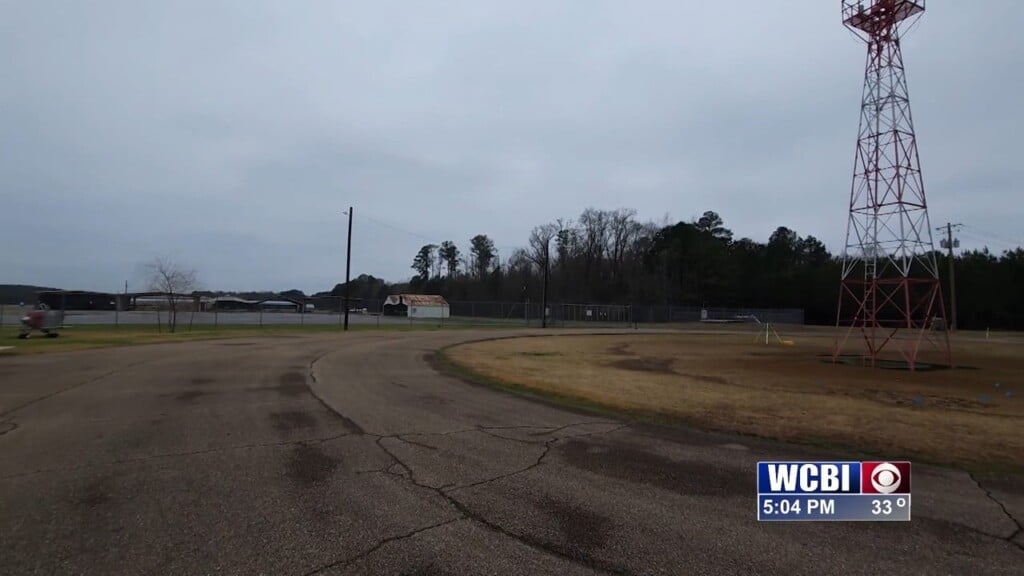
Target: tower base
{"x":892,"y":318}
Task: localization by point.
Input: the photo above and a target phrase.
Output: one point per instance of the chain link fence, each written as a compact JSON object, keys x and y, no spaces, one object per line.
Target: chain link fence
{"x":330,"y":311}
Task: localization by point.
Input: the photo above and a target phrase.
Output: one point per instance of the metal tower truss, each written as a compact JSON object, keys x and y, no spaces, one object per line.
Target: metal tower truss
{"x":890,"y":292}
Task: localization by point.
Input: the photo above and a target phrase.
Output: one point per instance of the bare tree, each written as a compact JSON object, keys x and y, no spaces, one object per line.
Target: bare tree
{"x":540,"y":244}
{"x":540,"y":253}
{"x":623,"y":229}
{"x":172,"y":280}
{"x":595,"y":225}
{"x":520,"y":263}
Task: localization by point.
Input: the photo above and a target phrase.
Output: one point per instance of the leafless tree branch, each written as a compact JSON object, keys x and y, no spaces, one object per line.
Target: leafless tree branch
{"x":172,"y":280}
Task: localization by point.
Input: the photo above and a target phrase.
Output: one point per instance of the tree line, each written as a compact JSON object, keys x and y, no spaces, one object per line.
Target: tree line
{"x":609,"y":256}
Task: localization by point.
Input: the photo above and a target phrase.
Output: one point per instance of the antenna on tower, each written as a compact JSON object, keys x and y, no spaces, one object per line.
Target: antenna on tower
{"x":889,"y":291}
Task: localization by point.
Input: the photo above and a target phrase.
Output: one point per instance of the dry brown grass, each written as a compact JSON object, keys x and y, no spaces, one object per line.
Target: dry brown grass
{"x":727,"y":382}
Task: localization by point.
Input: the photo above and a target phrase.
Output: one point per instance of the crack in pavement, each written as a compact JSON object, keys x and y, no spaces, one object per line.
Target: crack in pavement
{"x":509,"y":438}
{"x":413,"y":442}
{"x":445,"y":492}
{"x":560,"y":428}
{"x":348,"y":561}
{"x":382,"y":470}
{"x":6,"y":427}
{"x":537,"y":544}
{"x":1020,"y":528}
{"x":311,"y":377}
{"x":540,"y":460}
{"x":448,"y":491}
{"x":490,"y":431}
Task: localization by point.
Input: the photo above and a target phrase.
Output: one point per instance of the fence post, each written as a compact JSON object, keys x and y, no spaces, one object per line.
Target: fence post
{"x":261,"y":314}
{"x":215,"y":318}
{"x":1,"y":316}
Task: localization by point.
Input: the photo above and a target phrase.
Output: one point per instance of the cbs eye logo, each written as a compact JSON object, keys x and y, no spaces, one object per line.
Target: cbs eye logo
{"x":885,"y":477}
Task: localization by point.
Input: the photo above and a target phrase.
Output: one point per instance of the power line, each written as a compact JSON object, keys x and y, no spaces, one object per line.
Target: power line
{"x":994,"y":236}
{"x":989,"y":241}
{"x":398,"y":229}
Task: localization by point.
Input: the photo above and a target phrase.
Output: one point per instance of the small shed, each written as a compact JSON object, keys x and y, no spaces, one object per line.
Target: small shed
{"x":416,"y":306}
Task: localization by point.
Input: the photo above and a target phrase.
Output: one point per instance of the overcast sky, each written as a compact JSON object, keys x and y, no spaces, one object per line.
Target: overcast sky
{"x":230,"y":136}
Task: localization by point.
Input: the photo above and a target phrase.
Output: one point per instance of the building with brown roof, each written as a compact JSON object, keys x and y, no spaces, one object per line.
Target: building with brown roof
{"x":416,"y":306}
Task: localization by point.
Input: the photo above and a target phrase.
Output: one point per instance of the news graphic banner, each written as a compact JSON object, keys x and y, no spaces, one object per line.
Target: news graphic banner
{"x":833,"y":491}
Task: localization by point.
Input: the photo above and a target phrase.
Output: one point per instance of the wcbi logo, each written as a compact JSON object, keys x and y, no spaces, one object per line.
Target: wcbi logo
{"x":833,"y":477}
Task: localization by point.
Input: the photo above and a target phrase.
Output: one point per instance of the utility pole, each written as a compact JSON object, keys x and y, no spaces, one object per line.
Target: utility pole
{"x":544,"y":294}
{"x":949,"y":243}
{"x":348,"y":265}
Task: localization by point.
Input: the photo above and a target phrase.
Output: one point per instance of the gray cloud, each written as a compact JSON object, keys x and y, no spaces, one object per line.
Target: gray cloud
{"x":231,"y":135}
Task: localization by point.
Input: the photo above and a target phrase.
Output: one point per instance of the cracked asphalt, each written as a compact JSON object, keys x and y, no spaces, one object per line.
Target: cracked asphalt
{"x":348,"y":454}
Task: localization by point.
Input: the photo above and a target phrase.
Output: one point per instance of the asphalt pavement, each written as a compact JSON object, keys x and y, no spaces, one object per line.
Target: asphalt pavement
{"x":349,"y":454}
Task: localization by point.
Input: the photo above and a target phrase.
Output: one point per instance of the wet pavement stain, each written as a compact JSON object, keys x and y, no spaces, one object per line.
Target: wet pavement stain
{"x":583,"y":531}
{"x":292,"y":384}
{"x":94,"y":495}
{"x":292,"y":420}
{"x":308,"y":465}
{"x":433,"y":399}
{"x":428,"y":570}
{"x":189,"y":396}
{"x":636,"y":465}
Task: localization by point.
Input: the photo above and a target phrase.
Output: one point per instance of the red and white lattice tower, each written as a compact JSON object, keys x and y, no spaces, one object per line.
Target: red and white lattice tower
{"x":890,"y":293}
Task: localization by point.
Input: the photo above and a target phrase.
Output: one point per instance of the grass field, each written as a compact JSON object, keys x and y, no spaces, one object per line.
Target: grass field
{"x":961,"y":416}
{"x":99,"y":336}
